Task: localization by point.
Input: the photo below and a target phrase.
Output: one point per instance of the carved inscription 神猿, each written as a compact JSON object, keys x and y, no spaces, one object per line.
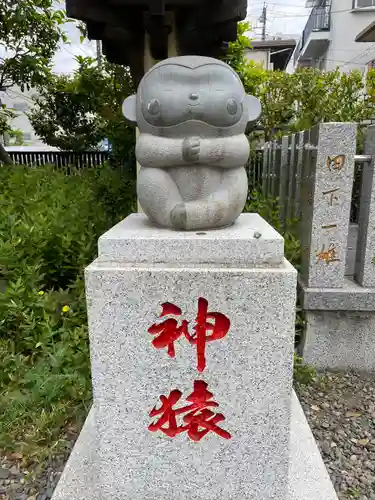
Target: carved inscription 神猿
{"x":199,"y":418}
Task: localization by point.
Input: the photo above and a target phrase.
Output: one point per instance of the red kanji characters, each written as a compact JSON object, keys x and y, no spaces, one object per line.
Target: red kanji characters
{"x":169,"y":331}
{"x":219,"y":329}
{"x":199,"y":419}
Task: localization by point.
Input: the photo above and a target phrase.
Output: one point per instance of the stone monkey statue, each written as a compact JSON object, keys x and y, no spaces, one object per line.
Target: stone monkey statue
{"x":192,"y":113}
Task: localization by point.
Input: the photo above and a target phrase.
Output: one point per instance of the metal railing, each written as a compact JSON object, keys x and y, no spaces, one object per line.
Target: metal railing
{"x":319,"y":20}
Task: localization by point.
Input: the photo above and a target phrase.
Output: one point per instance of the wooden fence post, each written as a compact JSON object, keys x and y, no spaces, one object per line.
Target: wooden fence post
{"x":265,"y":168}
{"x":298,"y":173}
{"x":283,"y":179}
{"x":292,"y":178}
{"x":365,"y":263}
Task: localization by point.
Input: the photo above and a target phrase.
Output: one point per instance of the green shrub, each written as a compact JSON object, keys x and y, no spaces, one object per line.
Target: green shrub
{"x":50,"y":222}
{"x":303,"y":374}
{"x":49,"y":226}
{"x":44,"y":366}
{"x":269,"y":209}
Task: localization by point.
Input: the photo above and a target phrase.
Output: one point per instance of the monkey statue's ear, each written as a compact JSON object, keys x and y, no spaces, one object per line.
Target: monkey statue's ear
{"x":254,"y":108}
{"x":129,"y":108}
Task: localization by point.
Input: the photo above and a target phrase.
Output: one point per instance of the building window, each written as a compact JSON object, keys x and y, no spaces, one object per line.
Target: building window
{"x":27,"y":136}
{"x":359,"y":4}
{"x":20,"y":106}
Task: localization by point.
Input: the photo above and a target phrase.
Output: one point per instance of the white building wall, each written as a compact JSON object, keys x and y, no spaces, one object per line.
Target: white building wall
{"x":261,"y":57}
{"x":343,"y":51}
{"x":22,"y":102}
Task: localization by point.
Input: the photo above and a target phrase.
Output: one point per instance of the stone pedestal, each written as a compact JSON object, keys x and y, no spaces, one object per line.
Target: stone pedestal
{"x":233,"y":288}
{"x":340,"y":327}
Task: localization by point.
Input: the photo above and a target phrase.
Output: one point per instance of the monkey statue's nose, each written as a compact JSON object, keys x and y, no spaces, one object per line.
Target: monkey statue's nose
{"x":193,"y":97}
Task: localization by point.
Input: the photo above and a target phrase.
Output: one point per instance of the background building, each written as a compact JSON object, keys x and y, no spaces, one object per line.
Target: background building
{"x":21,"y":102}
{"x":272,"y":54}
{"x":329,"y":38}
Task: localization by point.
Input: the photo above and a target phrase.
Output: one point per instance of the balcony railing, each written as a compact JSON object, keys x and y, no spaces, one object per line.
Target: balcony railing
{"x":319,"y":20}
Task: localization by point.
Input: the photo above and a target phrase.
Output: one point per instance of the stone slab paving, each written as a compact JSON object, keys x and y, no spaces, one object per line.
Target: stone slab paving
{"x":340,"y":409}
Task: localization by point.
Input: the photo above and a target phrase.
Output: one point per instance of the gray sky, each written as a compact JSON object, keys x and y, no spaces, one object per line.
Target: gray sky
{"x":287,"y":17}
{"x":283,"y":16}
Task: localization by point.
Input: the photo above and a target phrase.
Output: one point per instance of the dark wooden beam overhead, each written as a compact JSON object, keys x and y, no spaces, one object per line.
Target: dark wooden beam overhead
{"x":203,"y":27}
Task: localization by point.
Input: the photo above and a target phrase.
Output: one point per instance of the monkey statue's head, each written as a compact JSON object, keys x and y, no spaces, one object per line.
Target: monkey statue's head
{"x":191,"y":95}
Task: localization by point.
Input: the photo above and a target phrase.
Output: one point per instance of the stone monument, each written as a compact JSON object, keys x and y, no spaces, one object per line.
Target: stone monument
{"x":192,"y":114}
{"x":192,"y":332}
{"x":191,"y":305}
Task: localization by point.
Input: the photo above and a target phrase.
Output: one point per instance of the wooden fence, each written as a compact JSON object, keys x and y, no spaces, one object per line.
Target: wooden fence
{"x":320,"y":180}
{"x":60,"y":159}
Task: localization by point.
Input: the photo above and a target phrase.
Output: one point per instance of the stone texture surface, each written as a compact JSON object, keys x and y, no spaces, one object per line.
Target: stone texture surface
{"x":365,"y":265}
{"x":249,"y":372}
{"x":327,"y":222}
{"x":340,"y":340}
{"x":79,"y":479}
{"x":351,"y":297}
{"x":192,"y":114}
{"x":136,"y":240}
{"x":307,"y":476}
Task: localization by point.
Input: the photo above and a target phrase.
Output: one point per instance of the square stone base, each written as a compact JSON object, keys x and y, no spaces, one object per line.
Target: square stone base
{"x":308,"y":477}
{"x":340,"y":340}
{"x":248,"y":370}
{"x":340,"y":327}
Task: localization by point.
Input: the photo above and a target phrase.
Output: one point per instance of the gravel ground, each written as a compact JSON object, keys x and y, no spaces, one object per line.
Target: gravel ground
{"x":340,"y":409}
{"x":20,"y":480}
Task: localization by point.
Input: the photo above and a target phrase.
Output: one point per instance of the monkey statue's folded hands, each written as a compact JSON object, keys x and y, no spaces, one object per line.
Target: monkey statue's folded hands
{"x":192,"y":114}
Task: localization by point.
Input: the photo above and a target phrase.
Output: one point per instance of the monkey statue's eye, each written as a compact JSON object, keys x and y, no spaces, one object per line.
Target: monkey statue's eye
{"x":153,"y":107}
{"x":232,"y":107}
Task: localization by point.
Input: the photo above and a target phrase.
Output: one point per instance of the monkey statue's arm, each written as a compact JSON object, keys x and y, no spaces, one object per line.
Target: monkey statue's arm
{"x":225,"y":152}
{"x":163,"y":152}
{"x":159,"y":152}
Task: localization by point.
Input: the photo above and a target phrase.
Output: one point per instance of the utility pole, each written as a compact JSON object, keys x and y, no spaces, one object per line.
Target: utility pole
{"x":99,"y":52}
{"x":263,"y":20}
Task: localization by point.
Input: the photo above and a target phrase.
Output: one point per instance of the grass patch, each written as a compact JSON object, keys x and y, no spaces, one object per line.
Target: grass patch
{"x":49,"y":226}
